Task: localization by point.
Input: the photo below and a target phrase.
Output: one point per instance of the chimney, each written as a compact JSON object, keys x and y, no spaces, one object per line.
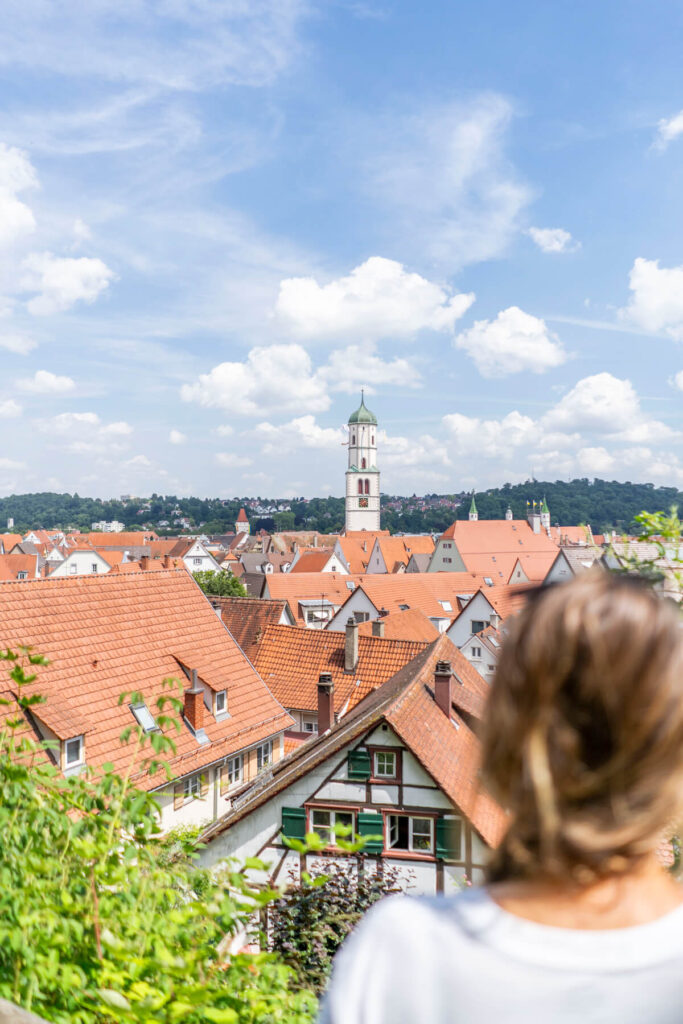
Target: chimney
{"x":443,"y":676}
{"x":166,"y":561}
{"x":193,"y":704}
{"x":494,"y":620}
{"x":377,"y":627}
{"x":144,"y":562}
{"x":351,"y":646}
{"x":325,"y":702}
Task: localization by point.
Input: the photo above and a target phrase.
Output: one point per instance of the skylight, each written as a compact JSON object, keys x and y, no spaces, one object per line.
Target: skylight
{"x":144,"y":717}
{"x":488,"y":581}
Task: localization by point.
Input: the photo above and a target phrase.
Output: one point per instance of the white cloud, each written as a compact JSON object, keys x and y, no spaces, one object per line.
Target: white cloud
{"x":11,"y":464}
{"x":84,"y":433}
{"x":17,"y":343}
{"x":176,"y":437}
{"x":231,"y":460}
{"x":63,"y":281}
{"x":16,"y":175}
{"x":138,"y":462}
{"x":9,"y":409}
{"x":513,"y":342}
{"x":606,"y":405}
{"x":678,"y":380}
{"x":45,"y":383}
{"x":378,"y":299}
{"x":302,"y":432}
{"x":657,"y":300}
{"x":446,"y":181}
{"x":274,"y":379}
{"x":490,"y":438}
{"x":225,"y":430}
{"x":422,"y":451}
{"x":668,"y":129}
{"x":595,"y":461}
{"x":553,"y":240}
{"x":350,"y":368}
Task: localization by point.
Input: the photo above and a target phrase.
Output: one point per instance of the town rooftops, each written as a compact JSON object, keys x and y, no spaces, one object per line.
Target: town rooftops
{"x":247,"y":618}
{"x":118,"y":633}
{"x":496,"y":535}
{"x":290,"y":660}
{"x":411,"y":624}
{"x":445,"y":746}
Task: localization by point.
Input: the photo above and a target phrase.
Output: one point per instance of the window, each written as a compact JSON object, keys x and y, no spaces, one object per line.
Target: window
{"x":360,"y":486}
{"x":488,"y":581}
{"x":361,"y":616}
{"x":196,"y":561}
{"x":448,"y":560}
{"x":310,"y":727}
{"x":385,"y":764}
{"x":233,"y":770}
{"x":446,"y":605}
{"x":21,"y":575}
{"x":476,"y":652}
{"x":478,"y":625}
{"x":264,"y":755}
{"x":191,"y":786}
{"x":144,"y":717}
{"x":73,"y":569}
{"x":447,"y":544}
{"x":93,"y":567}
{"x":353,"y":438}
{"x":363,"y":463}
{"x":415,"y":835}
{"x":73,"y":751}
{"x":404,"y":607}
{"x":350,"y":585}
{"x":221,"y":702}
{"x":324,"y":822}
{"x":367,"y":486}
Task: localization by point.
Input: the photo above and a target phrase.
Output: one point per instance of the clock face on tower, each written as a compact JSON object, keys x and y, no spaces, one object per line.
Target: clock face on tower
{"x":363,"y":503}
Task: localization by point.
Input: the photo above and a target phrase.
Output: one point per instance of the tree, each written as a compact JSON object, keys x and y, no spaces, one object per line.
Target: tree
{"x":220,"y":584}
{"x":100,"y":921}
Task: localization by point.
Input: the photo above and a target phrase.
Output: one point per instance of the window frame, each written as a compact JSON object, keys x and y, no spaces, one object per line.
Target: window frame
{"x":259,"y":757}
{"x":332,"y":810}
{"x":228,"y":768}
{"x":192,"y":787}
{"x":410,"y":853}
{"x":81,"y":751}
{"x":220,"y":712}
{"x":93,"y":567}
{"x":196,"y":560}
{"x":477,"y":622}
{"x":394,"y":779}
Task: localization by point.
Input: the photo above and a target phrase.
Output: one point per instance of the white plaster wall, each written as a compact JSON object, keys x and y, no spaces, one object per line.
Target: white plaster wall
{"x":425,"y":798}
{"x":332,"y":791}
{"x":413,"y":772}
{"x":453,"y":879}
{"x":477,"y":609}
{"x":383,"y":736}
{"x":357,"y":602}
{"x":480,"y":851}
{"x":559,"y":571}
{"x":84,"y":561}
{"x":384,"y":794}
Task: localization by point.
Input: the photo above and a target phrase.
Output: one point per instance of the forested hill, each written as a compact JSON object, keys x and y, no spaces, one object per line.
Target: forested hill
{"x":604,"y":504}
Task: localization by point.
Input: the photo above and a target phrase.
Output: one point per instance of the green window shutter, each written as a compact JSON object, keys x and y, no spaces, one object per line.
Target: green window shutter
{"x":294,"y":822}
{"x":449,"y":838}
{"x":359,"y":764}
{"x":371,"y":825}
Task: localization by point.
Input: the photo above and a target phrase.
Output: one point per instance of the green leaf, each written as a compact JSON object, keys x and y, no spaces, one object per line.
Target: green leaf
{"x":113,"y":998}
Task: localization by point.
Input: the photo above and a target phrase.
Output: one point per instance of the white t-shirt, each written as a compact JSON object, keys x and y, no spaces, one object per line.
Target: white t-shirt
{"x":448,"y":960}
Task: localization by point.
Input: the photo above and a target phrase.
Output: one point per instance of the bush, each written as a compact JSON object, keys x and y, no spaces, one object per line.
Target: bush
{"x":101,"y":918}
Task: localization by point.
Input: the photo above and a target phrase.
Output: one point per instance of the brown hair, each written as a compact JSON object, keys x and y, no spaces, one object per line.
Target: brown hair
{"x":583,"y":738}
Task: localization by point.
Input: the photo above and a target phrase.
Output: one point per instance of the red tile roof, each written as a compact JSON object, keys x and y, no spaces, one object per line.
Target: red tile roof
{"x":409,"y":625}
{"x":8,"y":540}
{"x":312,"y":561}
{"x":302,"y":586}
{"x":119,"y":632}
{"x":247,"y":618}
{"x":242,"y":516}
{"x":290,"y":660}
{"x":497,"y":536}
{"x":398,"y":550}
{"x":12,"y":565}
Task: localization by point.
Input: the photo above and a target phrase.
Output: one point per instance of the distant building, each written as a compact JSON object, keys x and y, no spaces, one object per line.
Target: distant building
{"x":362,"y":475}
{"x":242,"y":524}
{"x":109,"y":527}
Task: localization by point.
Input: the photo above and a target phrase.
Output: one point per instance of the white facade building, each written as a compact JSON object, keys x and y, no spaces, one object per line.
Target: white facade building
{"x":362,"y":475}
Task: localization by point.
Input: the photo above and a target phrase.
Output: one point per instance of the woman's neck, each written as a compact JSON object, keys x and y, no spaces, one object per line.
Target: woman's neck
{"x":619,"y":901}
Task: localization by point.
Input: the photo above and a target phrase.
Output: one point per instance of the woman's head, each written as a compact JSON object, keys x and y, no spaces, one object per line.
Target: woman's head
{"x":583,"y":738}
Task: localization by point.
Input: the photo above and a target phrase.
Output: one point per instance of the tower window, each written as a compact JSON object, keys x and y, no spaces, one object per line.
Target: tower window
{"x":367,"y":486}
{"x":360,"y":486}
{"x":353,"y":438}
{"x":364,"y":463}
{"x":372,"y":440}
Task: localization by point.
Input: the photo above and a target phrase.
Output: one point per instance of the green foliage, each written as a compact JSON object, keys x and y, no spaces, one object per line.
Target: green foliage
{"x":220,"y":584}
{"x":313,"y":917}
{"x":663,"y":532}
{"x":104,"y":920}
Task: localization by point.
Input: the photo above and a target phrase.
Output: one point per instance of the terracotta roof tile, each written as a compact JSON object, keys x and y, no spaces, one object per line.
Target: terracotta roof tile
{"x":113,"y":633}
{"x":301,"y":586}
{"x":312,"y":561}
{"x":247,"y":618}
{"x":409,"y":625}
{"x":290,"y":660}
{"x":497,"y":536}
{"x":12,"y":565}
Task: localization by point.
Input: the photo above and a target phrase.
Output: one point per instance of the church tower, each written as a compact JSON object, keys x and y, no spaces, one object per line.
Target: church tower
{"x":473,"y":514}
{"x":362,"y":475}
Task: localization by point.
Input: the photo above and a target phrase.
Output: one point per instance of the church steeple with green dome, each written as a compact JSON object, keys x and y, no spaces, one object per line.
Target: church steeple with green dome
{"x":362,"y":475}
{"x":473,"y":515}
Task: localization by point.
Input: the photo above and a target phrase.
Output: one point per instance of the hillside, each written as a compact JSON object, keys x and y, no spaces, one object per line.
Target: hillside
{"x":604,"y":504}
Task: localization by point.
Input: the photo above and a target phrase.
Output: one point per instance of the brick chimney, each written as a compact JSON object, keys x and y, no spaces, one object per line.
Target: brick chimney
{"x":193,"y":704}
{"x":377,"y":627}
{"x":325,"y":702}
{"x":443,"y":679}
{"x":144,"y":562}
{"x":351,"y":646}
{"x":166,"y":561}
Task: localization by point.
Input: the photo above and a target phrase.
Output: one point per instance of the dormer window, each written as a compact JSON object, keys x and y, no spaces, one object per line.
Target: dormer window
{"x":220,"y":703}
{"x":73,"y":752}
{"x":144,"y":717}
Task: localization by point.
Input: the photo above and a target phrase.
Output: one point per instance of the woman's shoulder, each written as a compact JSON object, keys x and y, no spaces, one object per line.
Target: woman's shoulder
{"x":411,"y":918}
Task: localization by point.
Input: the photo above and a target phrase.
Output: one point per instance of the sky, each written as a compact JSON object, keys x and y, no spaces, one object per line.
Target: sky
{"x":219,"y":219}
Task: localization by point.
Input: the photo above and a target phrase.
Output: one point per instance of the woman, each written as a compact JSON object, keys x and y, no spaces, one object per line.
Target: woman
{"x":583,"y":745}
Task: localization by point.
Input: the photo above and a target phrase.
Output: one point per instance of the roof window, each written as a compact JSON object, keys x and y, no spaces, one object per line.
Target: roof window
{"x":350,"y":585}
{"x":144,"y":717}
{"x":220,"y":702}
{"x":404,"y":607}
{"x":488,"y":581}
{"x":73,"y":752}
{"x":446,"y":605}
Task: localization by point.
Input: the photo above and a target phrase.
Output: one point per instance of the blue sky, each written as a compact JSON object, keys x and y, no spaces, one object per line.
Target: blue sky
{"x":220,"y":218}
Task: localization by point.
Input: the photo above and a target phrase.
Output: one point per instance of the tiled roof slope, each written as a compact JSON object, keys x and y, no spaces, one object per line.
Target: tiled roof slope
{"x":312,"y":561}
{"x":496,"y":535}
{"x":397,"y":550}
{"x":247,"y":618}
{"x":356,"y":552}
{"x":410,"y":625}
{"x":12,"y":565}
{"x":290,"y":660}
{"x":120,"y":632}
{"x":511,"y":599}
{"x":448,"y":750}
{"x":302,"y":586}
{"x":421,"y":590}
{"x":8,"y":540}
{"x":109,"y":540}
